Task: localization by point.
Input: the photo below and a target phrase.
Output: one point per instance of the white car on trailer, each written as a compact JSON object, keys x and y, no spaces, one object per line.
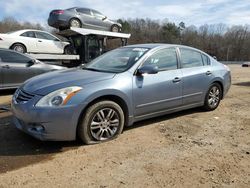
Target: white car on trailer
{"x":33,"y":41}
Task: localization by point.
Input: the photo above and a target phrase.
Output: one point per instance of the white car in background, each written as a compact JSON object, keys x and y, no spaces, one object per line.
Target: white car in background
{"x":33,"y":41}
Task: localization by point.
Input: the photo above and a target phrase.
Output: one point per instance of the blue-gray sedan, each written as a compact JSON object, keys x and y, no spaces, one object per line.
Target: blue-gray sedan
{"x":121,"y":87}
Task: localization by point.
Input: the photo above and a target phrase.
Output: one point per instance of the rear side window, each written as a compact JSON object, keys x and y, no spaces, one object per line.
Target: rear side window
{"x":190,"y":58}
{"x":13,"y":57}
{"x":30,"y":34}
{"x":83,"y":11}
{"x":165,"y":59}
{"x":205,"y":59}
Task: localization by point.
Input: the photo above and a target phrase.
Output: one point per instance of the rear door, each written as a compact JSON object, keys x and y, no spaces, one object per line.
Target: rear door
{"x":196,"y":76}
{"x":15,"y":68}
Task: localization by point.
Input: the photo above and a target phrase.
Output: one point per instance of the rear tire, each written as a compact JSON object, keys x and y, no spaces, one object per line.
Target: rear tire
{"x":19,"y":48}
{"x":75,"y":23}
{"x":103,"y":121}
{"x":213,"y":97}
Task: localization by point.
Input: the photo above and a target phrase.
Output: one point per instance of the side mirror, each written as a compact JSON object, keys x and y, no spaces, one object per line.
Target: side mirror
{"x":148,"y":69}
{"x":104,"y":18}
{"x":215,"y":58}
{"x":30,"y":63}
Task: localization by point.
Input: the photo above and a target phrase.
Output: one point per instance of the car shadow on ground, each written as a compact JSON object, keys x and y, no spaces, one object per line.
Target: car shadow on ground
{"x":243,"y":84}
{"x":7,"y":92}
{"x":164,"y":118}
{"x":18,"y":149}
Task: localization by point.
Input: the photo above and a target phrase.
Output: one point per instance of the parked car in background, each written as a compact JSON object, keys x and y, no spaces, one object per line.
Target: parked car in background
{"x":15,"y":68}
{"x":246,"y":64}
{"x":33,"y":41}
{"x":116,"y":89}
{"x":82,"y":17}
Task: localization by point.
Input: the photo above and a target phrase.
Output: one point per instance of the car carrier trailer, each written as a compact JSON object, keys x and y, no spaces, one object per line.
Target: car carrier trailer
{"x":87,"y":44}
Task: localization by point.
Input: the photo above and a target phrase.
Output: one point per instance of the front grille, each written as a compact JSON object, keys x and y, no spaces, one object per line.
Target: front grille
{"x":23,"y":96}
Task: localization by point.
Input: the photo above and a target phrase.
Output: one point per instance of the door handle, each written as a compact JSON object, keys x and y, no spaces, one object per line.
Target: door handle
{"x":208,"y":73}
{"x":39,"y":41}
{"x":6,"y":66}
{"x":176,"y":80}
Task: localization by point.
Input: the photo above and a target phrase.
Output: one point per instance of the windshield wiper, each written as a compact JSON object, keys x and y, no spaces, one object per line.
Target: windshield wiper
{"x":91,"y":69}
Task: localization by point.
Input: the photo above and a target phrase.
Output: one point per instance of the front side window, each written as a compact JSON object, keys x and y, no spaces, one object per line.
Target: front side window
{"x":164,"y":59}
{"x":30,"y":34}
{"x":83,"y":11}
{"x":98,"y":14}
{"x":13,"y":57}
{"x":190,"y":58}
{"x":42,"y":35}
{"x":117,"y":61}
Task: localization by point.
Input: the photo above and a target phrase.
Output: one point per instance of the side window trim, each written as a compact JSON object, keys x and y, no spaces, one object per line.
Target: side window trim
{"x":208,"y":62}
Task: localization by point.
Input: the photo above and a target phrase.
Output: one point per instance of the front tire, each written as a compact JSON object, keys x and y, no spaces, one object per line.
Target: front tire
{"x":103,"y":121}
{"x":115,"y":28}
{"x":68,"y":50}
{"x":213,"y":97}
{"x":19,"y":48}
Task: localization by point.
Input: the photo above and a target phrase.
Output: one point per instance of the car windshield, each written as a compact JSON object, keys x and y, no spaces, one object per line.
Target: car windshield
{"x":117,"y":61}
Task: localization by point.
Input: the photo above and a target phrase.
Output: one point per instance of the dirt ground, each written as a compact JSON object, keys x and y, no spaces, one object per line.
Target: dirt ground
{"x":185,"y":149}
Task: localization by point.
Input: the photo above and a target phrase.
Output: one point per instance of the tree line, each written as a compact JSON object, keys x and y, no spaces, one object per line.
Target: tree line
{"x":227,"y":43}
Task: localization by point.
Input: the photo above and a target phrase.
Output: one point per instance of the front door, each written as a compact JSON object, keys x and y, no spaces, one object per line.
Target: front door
{"x":15,"y":68}
{"x":155,"y":93}
{"x":47,"y":43}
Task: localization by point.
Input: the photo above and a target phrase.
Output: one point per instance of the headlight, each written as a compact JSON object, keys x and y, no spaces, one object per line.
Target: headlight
{"x":59,"y":97}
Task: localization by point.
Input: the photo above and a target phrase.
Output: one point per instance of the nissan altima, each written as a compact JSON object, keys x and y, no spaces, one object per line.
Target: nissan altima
{"x":119,"y":88}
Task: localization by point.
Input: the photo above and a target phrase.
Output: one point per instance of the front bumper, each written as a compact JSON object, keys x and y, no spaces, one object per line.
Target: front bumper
{"x":52,"y":124}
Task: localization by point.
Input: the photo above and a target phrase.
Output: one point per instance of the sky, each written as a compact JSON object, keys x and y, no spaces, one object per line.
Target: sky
{"x":192,"y":12}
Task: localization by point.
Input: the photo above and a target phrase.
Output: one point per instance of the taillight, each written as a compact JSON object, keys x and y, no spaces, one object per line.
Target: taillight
{"x":58,"y":11}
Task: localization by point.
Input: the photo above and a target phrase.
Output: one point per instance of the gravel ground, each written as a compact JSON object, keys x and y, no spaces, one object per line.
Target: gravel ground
{"x":192,"y":148}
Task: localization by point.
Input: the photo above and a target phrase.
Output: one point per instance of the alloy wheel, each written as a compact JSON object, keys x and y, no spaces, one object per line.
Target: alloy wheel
{"x":19,"y":48}
{"x":214,"y":97}
{"x":104,"y":124}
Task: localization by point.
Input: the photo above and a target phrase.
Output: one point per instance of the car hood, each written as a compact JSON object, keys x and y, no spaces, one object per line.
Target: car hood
{"x":48,"y":82}
{"x":48,"y":66}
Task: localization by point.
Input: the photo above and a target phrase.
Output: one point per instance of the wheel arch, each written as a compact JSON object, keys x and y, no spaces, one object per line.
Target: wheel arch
{"x":19,"y":43}
{"x":221,"y":85}
{"x":115,"y":98}
{"x":76,"y":18}
{"x":115,"y":25}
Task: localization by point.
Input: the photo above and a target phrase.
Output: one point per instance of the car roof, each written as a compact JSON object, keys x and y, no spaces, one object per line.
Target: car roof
{"x":158,"y":45}
{"x":82,"y":8}
{"x":25,"y":30}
